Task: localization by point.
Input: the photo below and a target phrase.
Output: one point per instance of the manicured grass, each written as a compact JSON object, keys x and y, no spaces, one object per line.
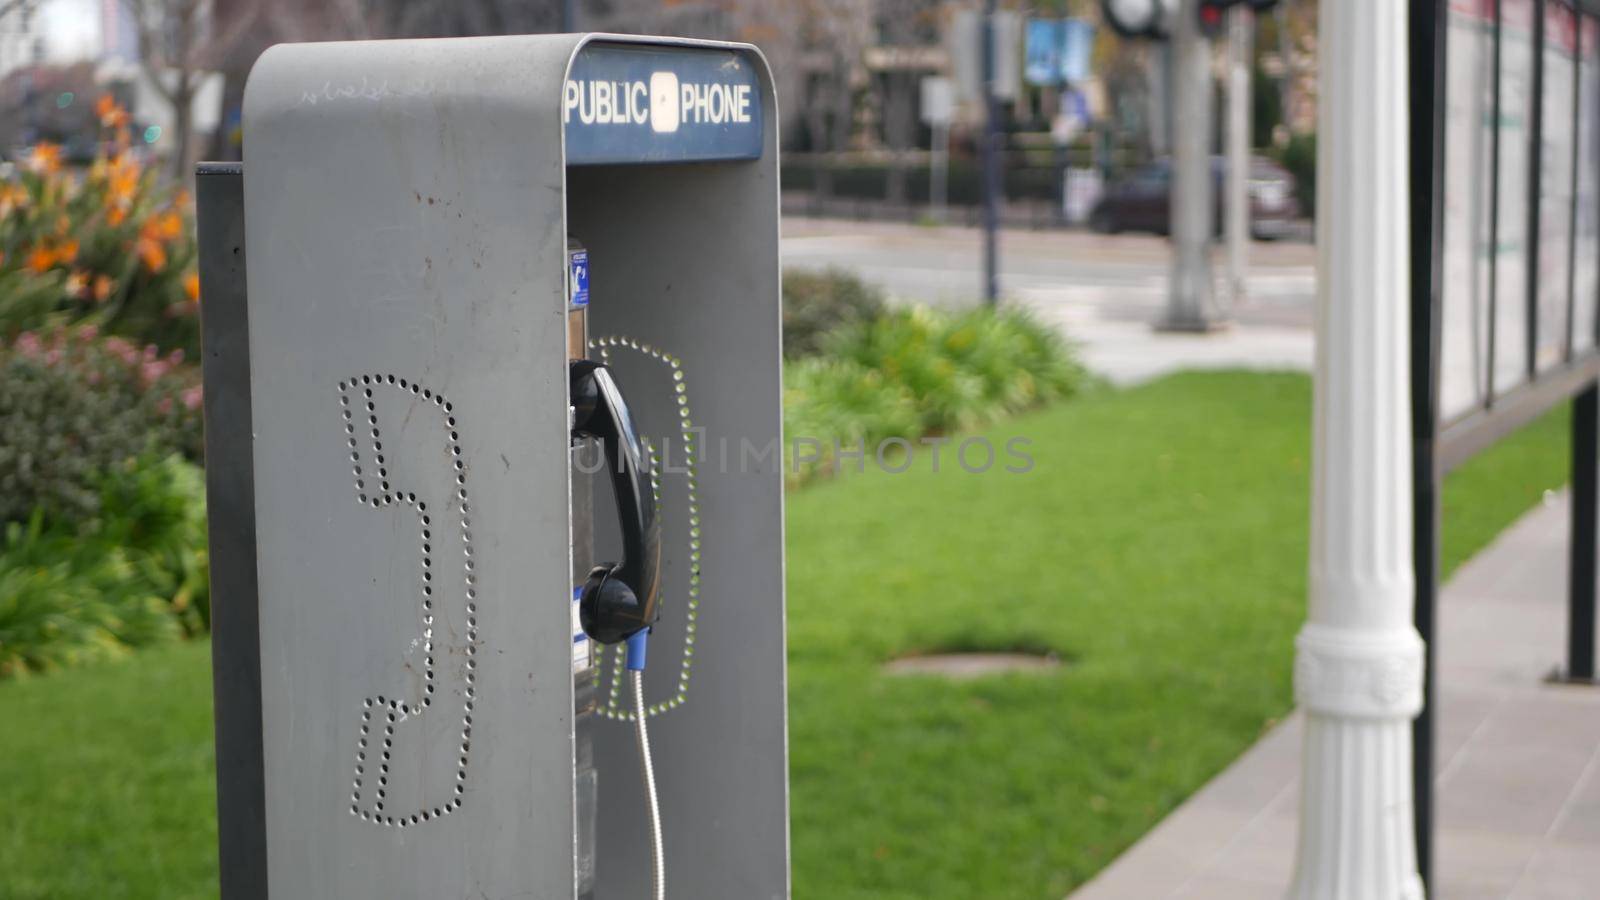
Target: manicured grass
{"x":106,"y":780}
{"x":1157,"y":546}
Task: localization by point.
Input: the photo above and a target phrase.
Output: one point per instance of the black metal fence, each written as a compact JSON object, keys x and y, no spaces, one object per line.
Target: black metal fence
{"x":859,"y":187}
{"x":1505,"y":302}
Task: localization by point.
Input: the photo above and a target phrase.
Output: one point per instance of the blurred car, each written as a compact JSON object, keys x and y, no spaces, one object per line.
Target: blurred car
{"x":1142,"y":201}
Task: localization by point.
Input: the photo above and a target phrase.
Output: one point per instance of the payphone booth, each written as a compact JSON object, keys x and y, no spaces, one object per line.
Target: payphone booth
{"x":492,"y":369}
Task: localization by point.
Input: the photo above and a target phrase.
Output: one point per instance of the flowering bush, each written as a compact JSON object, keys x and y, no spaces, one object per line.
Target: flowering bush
{"x":74,"y":404}
{"x":109,"y":245}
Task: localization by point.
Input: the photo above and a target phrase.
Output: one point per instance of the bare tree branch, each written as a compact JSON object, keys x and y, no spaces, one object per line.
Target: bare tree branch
{"x":170,"y":33}
{"x":7,"y":6}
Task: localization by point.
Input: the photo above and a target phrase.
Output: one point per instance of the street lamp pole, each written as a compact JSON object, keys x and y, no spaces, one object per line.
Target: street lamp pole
{"x":1241,"y":28}
{"x":1191,"y":304}
{"x":1359,"y":660}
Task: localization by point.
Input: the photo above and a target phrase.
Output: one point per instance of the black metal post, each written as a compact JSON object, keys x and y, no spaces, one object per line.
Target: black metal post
{"x":1530,"y":252}
{"x":1581,"y":561}
{"x":1427,"y":79}
{"x":1062,"y":162}
{"x":991,"y":161}
{"x":231,"y":520}
{"x":1493,"y":349}
{"x":1572,"y":197}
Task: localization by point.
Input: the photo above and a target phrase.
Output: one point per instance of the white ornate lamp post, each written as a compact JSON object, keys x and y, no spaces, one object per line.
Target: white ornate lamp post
{"x":1358,"y":672}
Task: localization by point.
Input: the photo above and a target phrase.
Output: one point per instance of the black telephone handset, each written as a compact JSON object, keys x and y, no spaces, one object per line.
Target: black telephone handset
{"x":618,"y":599}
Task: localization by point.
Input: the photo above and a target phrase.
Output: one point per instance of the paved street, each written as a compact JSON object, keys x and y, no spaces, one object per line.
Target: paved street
{"x":1104,"y":291}
{"x":1518,"y":783}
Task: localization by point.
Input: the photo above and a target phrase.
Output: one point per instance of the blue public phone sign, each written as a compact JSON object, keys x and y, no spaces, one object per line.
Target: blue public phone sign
{"x":661,"y":105}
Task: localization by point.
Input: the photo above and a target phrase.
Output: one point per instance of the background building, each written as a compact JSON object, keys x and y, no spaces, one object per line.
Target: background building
{"x":21,"y":43}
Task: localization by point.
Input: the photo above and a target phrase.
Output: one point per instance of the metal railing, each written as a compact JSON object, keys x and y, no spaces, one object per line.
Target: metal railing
{"x":1467,"y":252}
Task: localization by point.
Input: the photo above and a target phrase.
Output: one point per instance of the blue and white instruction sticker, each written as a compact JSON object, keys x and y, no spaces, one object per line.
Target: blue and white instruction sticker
{"x":578,"y":281}
{"x":661,"y":104}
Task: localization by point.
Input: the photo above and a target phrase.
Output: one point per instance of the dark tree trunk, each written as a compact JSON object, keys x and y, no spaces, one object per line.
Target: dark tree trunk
{"x":899,"y":130}
{"x":182,"y":127}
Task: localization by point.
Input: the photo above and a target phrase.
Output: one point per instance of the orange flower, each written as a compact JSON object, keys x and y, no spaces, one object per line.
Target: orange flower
{"x":40,"y":259}
{"x":115,"y":216}
{"x":102,"y":288}
{"x":45,"y":158}
{"x":122,"y":181}
{"x":77,"y":282}
{"x":151,"y":253}
{"x":67,"y":252}
{"x":191,"y":287}
{"x":168,"y":226}
{"x":111,"y":114}
{"x":12,"y":196}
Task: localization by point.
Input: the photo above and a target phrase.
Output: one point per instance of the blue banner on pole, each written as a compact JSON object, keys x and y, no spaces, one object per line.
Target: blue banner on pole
{"x":1058,"y":51}
{"x":1077,"y":44}
{"x":1042,"y":56}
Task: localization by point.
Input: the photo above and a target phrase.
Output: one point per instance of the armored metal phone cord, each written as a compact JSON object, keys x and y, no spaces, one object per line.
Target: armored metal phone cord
{"x":658,"y":859}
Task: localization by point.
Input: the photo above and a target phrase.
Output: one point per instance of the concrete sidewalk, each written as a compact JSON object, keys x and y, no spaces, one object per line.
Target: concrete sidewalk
{"x":1103,"y":291}
{"x":1518,"y":787}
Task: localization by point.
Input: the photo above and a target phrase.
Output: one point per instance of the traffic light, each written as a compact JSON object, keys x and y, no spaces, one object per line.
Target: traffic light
{"x":1132,"y":18}
{"x":1214,"y":17}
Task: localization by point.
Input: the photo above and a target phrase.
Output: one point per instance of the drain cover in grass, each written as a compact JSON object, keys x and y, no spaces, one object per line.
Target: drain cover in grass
{"x":965,"y":666}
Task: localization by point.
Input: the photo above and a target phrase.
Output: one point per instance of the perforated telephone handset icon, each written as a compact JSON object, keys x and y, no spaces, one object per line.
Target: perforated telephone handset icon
{"x":618,"y":599}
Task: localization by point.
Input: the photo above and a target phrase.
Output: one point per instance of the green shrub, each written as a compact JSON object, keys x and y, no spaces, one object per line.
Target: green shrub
{"x":155,"y":510}
{"x":133,"y":575}
{"x":53,"y":615}
{"x":1266,"y":106}
{"x":816,"y":303}
{"x":830,"y":403}
{"x":1299,"y":156}
{"x":916,"y":372}
{"x":1020,"y":362}
{"x":73,"y":405}
{"x":907,"y":346}
{"x":965,"y":370}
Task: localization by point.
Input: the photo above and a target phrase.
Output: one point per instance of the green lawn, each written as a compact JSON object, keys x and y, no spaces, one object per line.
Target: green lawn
{"x":1157,"y":546}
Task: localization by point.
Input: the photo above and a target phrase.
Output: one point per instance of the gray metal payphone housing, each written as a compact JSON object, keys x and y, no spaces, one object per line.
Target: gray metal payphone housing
{"x":389,"y":413}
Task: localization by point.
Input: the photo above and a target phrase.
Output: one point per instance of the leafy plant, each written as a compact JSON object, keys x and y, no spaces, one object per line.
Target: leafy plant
{"x":155,"y":510}
{"x":134,"y":575}
{"x":965,"y":370}
{"x":73,"y":405}
{"x":63,"y":605}
{"x":110,"y":246}
{"x":50,"y":616}
{"x":916,"y":372}
{"x":1299,"y":156}
{"x":816,"y":303}
{"x":833,"y":404}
